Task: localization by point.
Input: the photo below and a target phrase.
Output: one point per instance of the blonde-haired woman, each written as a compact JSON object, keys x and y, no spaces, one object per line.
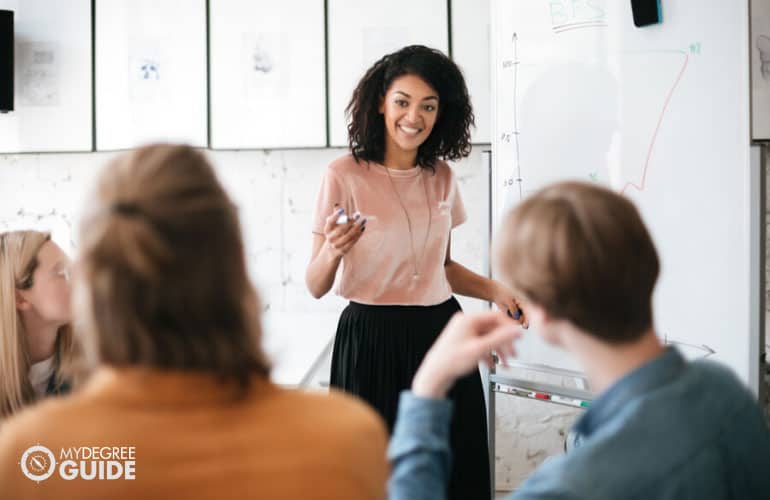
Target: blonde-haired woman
{"x":171,"y":319}
{"x":36,"y":344}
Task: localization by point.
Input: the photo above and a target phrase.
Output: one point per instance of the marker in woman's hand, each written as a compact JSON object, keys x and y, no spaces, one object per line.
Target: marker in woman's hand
{"x":344,"y":219}
{"x":518,"y":315}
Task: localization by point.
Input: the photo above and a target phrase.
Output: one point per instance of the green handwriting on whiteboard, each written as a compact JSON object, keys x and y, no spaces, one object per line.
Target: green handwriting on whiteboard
{"x":567,"y":15}
{"x":571,"y":11}
{"x":695,"y":48}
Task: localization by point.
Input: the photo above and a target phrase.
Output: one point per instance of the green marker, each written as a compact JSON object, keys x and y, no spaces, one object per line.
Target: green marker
{"x":570,"y":401}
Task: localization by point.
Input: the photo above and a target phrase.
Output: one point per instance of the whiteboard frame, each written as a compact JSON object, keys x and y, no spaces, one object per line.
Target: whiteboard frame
{"x":760,"y":118}
{"x":470,"y":43}
{"x":758,"y":257}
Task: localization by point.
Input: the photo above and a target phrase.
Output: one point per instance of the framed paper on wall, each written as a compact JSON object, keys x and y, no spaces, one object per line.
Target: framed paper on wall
{"x":52,"y":78}
{"x":151,"y":81}
{"x":362,"y":31}
{"x":268,"y":87}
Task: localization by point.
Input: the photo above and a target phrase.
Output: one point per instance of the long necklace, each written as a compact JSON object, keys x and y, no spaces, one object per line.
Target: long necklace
{"x":415,"y":262}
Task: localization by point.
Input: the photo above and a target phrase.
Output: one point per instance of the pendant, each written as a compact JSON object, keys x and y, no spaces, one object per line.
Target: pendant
{"x":415,"y":276}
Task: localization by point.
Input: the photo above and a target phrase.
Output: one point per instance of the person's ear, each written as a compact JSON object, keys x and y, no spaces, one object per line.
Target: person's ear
{"x":381,"y":107}
{"x":22,"y":304}
{"x":536,"y":315}
{"x":545,"y":325}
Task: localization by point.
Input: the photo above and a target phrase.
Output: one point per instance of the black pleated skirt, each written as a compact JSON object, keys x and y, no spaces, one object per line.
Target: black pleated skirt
{"x":377,"y":351}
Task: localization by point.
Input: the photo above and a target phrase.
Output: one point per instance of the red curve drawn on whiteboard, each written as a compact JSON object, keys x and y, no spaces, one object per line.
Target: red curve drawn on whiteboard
{"x":640,"y":186}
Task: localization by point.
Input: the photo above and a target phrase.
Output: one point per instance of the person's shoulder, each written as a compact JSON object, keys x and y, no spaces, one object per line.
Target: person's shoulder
{"x":718,"y":378}
{"x":441,"y":168}
{"x":33,"y":424}
{"x":354,"y":409}
{"x":556,"y":479}
{"x":720,"y":388}
{"x":346,"y":165}
{"x":335,"y":411}
{"x":590,"y":470}
{"x":351,"y":437}
{"x":443,"y":174}
{"x":714,"y":370}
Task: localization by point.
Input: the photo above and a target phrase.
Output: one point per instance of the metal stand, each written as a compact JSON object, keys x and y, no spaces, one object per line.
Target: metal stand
{"x":521,"y":387}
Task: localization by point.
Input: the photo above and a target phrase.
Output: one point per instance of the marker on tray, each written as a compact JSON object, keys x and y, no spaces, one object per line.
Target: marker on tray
{"x":570,"y":401}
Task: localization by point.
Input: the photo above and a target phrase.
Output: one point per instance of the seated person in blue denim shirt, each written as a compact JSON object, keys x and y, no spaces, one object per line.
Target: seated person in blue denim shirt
{"x":660,"y":427}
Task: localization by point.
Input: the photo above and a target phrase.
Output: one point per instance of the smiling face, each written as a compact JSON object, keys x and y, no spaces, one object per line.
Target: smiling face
{"x":410,"y":109}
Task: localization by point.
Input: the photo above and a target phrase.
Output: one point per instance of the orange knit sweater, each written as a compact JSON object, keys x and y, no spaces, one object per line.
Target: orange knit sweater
{"x":182,"y":435}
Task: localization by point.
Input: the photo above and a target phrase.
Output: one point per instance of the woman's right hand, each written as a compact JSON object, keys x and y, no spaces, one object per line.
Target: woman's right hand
{"x":340,"y":238}
{"x":328,"y":250}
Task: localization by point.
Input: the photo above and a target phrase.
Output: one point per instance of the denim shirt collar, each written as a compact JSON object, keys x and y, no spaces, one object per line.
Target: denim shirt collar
{"x":646,"y":378}
{"x":57,"y":388}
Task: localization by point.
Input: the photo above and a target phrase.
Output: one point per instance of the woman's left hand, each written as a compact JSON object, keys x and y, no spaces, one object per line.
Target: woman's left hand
{"x":503,"y":298}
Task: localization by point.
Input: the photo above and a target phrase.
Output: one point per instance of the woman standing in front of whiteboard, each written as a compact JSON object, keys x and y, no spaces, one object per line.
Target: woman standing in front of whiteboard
{"x":385,"y":212}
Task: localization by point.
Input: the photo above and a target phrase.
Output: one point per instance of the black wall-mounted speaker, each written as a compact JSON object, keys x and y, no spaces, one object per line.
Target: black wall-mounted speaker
{"x":646,"y":12}
{"x":6,"y":61}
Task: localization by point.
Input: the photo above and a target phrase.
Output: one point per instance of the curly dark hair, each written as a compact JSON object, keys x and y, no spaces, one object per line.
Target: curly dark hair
{"x":450,"y":137}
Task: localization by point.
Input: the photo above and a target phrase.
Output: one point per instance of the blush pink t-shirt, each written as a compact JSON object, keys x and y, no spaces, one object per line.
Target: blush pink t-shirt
{"x":380,"y":268}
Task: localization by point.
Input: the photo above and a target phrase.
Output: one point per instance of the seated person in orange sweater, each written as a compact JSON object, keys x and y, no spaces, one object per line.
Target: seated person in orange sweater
{"x":180,"y":404}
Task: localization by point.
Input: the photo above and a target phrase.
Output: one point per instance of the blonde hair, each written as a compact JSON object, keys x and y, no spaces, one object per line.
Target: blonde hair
{"x":582,"y":253}
{"x":162,"y":279}
{"x":18,"y":261}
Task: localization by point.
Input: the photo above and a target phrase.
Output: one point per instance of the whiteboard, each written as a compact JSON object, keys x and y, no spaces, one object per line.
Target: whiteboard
{"x":52,"y":73}
{"x":268,"y":74}
{"x":470,"y":50}
{"x":760,"y":70}
{"x":150,"y":72}
{"x":660,"y":114}
{"x":362,"y":31}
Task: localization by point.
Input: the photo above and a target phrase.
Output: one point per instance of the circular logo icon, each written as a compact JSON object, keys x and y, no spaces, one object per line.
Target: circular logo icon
{"x":38,"y":463}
